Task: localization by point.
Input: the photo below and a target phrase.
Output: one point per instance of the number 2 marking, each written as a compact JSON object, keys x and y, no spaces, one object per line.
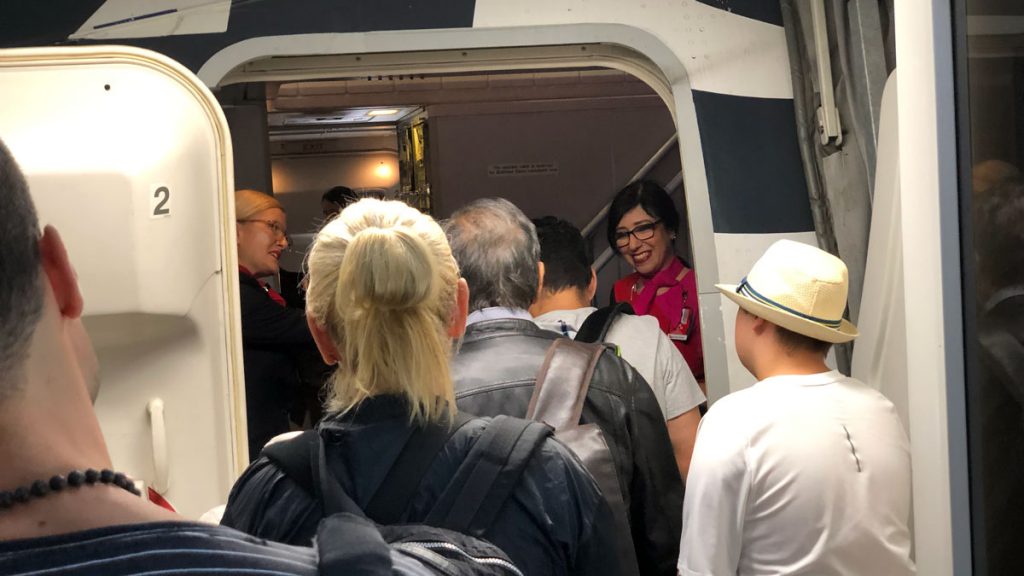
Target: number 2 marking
{"x":161,"y":197}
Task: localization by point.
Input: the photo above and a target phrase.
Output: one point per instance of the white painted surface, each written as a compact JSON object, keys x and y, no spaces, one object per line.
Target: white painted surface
{"x":736,"y":255}
{"x":880,"y":353}
{"x":702,"y":241}
{"x":722,"y":52}
{"x":930,"y":239}
{"x":619,"y":40}
{"x":132,"y":19}
{"x":159,"y":308}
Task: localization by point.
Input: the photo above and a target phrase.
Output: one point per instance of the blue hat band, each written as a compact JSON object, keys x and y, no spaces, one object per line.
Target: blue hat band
{"x":747,"y":290}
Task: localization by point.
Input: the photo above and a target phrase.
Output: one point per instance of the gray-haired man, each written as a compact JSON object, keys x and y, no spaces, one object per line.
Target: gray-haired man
{"x":496,"y":367}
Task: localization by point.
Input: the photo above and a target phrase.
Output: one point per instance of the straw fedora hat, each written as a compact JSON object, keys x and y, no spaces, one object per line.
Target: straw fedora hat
{"x":800,"y":288}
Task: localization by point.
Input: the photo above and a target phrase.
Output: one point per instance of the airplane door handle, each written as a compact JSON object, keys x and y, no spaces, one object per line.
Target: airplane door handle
{"x":158,"y":436}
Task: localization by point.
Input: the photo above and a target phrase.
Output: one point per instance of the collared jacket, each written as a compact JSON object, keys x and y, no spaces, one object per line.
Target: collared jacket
{"x":495,"y":371}
{"x":275,"y":343}
{"x":555,"y":522}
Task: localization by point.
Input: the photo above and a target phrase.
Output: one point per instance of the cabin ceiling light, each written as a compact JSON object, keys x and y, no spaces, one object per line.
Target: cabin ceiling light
{"x":382,"y":170}
{"x":383,"y":112}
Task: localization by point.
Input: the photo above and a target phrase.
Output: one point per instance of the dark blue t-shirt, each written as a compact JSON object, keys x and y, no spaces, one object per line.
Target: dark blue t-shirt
{"x":165,"y":548}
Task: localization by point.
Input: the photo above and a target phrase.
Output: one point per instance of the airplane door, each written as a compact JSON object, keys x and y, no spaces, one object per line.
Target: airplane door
{"x":128,"y":155}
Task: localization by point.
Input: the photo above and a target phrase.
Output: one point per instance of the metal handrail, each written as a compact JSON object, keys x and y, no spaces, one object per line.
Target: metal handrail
{"x":608,"y":253}
{"x":644,"y":170}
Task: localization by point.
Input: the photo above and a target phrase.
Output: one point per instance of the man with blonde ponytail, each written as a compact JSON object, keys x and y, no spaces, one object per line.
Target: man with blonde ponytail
{"x":385,"y":302}
{"x":502,"y":353}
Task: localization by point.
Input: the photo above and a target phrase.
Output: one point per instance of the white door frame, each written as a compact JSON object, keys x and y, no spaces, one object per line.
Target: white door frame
{"x":621,"y":47}
{"x":932,"y":289}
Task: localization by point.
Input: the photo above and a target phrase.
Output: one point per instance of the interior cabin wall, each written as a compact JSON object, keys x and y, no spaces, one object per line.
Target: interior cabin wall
{"x":367,"y":165}
{"x":249,"y":146}
{"x":244,"y":107}
{"x":563,"y":156}
{"x":547,"y":158}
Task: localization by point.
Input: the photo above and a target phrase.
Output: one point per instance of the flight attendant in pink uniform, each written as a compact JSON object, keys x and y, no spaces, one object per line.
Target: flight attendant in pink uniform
{"x":643,"y":225}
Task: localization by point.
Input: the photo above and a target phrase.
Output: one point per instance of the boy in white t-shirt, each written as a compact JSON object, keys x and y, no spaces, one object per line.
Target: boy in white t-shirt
{"x":808,"y":471}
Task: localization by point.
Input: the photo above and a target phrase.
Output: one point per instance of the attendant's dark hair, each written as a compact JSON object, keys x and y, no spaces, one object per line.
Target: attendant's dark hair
{"x":565,"y":255}
{"x":21,"y":299}
{"x":341,"y":195}
{"x":648,"y":195}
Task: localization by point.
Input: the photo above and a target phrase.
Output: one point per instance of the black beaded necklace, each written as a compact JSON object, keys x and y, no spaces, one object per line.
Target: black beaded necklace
{"x":58,"y":483}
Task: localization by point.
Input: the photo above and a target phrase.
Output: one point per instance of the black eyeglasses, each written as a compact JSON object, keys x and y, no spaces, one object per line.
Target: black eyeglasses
{"x":275,"y":227}
{"x":641,"y":232}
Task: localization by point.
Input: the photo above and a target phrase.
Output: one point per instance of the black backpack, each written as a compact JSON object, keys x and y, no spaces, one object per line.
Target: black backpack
{"x":595,"y":327}
{"x":449,"y":540}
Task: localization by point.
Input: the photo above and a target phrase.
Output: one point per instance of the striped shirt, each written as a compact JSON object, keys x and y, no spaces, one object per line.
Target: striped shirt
{"x":156,"y":549}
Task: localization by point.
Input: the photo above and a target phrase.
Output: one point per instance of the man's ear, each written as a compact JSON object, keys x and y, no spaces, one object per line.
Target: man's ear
{"x":540,"y":278}
{"x":592,"y":286}
{"x":60,"y":274}
{"x":460,"y":312}
{"x":323,"y":340}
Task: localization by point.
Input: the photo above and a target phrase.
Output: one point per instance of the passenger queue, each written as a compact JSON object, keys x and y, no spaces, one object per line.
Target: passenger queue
{"x":448,"y":340}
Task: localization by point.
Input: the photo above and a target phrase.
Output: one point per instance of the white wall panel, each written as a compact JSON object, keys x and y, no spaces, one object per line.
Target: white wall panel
{"x":97,"y":132}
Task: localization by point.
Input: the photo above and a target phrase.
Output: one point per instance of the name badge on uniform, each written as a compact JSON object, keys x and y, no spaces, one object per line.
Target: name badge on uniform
{"x":681,"y":332}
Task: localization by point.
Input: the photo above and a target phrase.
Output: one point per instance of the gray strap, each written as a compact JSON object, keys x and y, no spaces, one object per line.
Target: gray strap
{"x":568,"y":367}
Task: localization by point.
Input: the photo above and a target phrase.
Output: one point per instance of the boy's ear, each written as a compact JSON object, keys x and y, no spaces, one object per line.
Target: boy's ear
{"x":592,"y":286}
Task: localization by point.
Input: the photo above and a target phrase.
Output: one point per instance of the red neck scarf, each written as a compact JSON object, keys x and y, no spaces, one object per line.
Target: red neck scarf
{"x":670,"y":300}
{"x":270,"y":291}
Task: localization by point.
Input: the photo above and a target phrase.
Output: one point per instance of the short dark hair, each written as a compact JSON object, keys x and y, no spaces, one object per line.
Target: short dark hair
{"x":648,"y":195}
{"x":21,"y":300}
{"x":565,"y":255}
{"x":341,"y":195}
{"x":795,"y":342}
{"x":496,"y":247}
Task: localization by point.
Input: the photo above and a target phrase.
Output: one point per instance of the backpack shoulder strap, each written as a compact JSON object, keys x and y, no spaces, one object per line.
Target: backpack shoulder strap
{"x":293,"y":457}
{"x":348,"y":544}
{"x":570,"y":366}
{"x":488,"y":475}
{"x":302,"y":459}
{"x":392,"y":496}
{"x":595,"y":327}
